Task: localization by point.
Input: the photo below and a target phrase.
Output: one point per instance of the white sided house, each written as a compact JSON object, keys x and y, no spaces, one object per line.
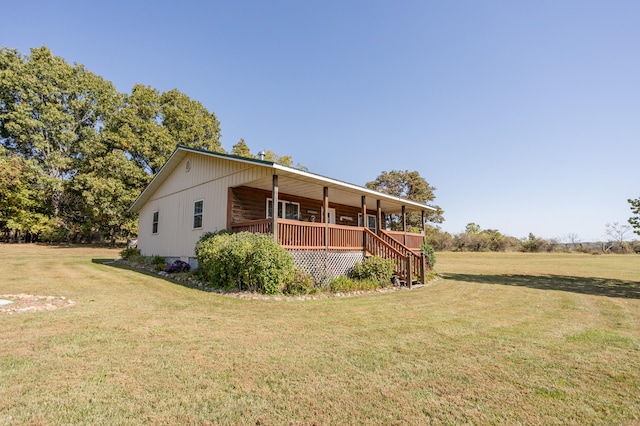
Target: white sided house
{"x":327,"y":225}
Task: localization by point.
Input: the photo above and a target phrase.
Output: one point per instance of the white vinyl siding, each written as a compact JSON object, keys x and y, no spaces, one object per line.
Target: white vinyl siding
{"x":209,"y":180}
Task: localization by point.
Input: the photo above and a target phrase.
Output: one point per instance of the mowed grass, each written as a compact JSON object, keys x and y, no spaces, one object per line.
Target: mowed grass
{"x":503,"y":339}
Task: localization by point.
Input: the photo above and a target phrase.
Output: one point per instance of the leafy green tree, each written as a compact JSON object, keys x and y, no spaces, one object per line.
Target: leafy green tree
{"x":48,"y":109}
{"x":635,"y":220}
{"x":534,"y":244}
{"x":284,"y":160}
{"x":241,"y":149}
{"x":21,"y":206}
{"x":189,"y":123}
{"x":472,"y":228}
{"x":408,"y":185}
{"x":151,"y":124}
{"x":75,"y":152}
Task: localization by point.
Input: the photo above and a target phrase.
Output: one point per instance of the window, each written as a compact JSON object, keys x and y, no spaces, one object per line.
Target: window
{"x":371,"y":221}
{"x":154,"y":226}
{"x":290,"y":209}
{"x":198,"y":208}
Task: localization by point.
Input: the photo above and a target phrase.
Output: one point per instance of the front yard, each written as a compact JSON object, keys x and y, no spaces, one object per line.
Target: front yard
{"x":503,"y":338}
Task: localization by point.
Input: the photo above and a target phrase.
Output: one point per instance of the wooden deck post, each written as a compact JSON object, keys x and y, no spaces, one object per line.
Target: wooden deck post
{"x":274,"y":215}
{"x":424,"y":226}
{"x":404,"y":224}
{"x":423,"y":278}
{"x":378,"y":217}
{"x":325,"y":203}
{"x":409,"y":277}
{"x":363,"y":201}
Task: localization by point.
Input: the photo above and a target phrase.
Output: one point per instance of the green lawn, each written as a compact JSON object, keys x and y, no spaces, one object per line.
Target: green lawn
{"x":503,"y":339}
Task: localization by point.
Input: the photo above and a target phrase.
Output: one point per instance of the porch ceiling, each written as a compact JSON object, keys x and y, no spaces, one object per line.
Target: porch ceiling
{"x":304,"y":184}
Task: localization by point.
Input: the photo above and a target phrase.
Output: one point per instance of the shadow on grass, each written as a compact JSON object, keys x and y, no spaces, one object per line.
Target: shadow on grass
{"x":596,"y":286}
{"x":120,"y":265}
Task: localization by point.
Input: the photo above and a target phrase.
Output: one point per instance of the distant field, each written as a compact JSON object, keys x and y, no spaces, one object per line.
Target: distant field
{"x":505,"y":338}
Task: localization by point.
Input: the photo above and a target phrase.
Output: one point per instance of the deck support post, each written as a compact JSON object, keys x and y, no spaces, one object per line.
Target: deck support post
{"x":325,"y":218}
{"x":363,"y":202}
{"x":409,"y":277}
{"x":404,"y":224}
{"x":274,"y":215}
{"x":423,"y":268}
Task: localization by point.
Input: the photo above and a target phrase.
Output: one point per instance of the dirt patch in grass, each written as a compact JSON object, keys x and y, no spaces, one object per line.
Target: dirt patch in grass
{"x":21,"y":303}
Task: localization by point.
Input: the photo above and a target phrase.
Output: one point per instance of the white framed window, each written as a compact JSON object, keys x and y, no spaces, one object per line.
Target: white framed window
{"x":372,"y":221}
{"x":154,"y":223}
{"x":198,"y":209}
{"x":286,"y":209}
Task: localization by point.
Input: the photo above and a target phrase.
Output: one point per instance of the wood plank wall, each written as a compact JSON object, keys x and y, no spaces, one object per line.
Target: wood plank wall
{"x":251,"y":204}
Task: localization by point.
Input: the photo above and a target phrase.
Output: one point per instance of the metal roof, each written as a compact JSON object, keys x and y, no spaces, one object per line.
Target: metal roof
{"x":290,"y":181}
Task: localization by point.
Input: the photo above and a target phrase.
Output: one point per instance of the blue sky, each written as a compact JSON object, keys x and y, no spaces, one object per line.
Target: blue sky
{"x":524,"y":115}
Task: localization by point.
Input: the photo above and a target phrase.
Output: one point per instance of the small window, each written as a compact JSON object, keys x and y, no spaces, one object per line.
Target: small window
{"x":289,"y":209}
{"x":154,"y":226}
{"x":198,"y":208}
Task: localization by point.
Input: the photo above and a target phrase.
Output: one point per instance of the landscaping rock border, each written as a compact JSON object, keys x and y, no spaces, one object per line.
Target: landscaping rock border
{"x":187,"y":280}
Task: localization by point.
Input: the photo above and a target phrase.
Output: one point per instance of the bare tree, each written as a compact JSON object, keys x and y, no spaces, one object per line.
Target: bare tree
{"x":572,"y":239}
{"x":617,"y":234}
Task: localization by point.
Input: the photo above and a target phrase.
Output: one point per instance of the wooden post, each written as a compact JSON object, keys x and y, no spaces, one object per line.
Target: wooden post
{"x":404,"y":224}
{"x":409,"y":277}
{"x":274,"y":215}
{"x":423,"y":278}
{"x":378,"y":217}
{"x":325,"y":203}
{"x":424,"y":226}
{"x":363,"y":201}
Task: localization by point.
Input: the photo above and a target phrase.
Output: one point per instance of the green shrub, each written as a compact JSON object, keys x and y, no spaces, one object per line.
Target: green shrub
{"x":373,"y":268}
{"x":344,"y":284}
{"x":158,"y":260}
{"x":130,"y":253}
{"x":244,"y":260}
{"x":301,"y":283}
{"x":429,"y":255}
{"x":160,"y":266}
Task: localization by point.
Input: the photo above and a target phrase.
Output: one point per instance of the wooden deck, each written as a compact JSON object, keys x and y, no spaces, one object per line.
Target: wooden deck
{"x":402,"y":248}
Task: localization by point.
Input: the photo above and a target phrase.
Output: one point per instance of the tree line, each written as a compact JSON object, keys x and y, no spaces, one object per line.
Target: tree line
{"x":476,"y":239}
{"x":75,"y":152}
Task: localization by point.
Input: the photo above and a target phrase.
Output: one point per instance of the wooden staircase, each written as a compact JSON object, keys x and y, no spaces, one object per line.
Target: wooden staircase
{"x":408,"y":265}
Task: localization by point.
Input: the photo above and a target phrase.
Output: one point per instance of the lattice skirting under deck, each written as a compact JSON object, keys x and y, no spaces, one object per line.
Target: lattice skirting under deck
{"x":325,"y":266}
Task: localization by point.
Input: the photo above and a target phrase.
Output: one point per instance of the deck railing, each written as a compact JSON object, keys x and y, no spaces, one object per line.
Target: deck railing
{"x":378,"y":247}
{"x":261,"y":226}
{"x":414,"y":241}
{"x":296,"y":235}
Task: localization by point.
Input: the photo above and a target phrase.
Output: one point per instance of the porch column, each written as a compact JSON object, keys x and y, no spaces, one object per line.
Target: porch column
{"x":274,"y":215}
{"x":379,"y":216}
{"x":325,"y":214}
{"x":404,"y":224}
{"x":423,"y":268}
{"x":364,"y":210}
{"x":363,"y":201}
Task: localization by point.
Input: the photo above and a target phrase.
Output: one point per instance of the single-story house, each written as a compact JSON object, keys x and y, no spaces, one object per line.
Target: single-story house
{"x":326,"y":224}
